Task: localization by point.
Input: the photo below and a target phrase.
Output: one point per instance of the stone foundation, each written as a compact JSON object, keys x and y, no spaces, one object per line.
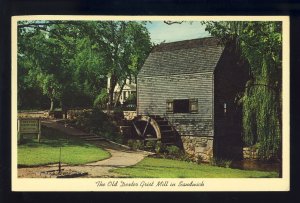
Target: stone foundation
{"x":74,"y":113}
{"x":129,"y":115}
{"x":198,"y":147}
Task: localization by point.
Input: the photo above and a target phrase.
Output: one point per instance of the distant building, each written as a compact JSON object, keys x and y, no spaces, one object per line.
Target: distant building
{"x":128,"y":89}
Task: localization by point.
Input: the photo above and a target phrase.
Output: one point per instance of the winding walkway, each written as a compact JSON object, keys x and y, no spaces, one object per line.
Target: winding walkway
{"x":120,"y":157}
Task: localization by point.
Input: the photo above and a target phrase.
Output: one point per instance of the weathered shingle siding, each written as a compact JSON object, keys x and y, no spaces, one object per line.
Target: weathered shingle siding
{"x":181,"y":70}
{"x":182,"y":61}
{"x":155,"y":90}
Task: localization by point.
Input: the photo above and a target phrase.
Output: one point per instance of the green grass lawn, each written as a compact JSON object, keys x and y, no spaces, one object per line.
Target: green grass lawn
{"x":73,"y":151}
{"x":166,"y":168}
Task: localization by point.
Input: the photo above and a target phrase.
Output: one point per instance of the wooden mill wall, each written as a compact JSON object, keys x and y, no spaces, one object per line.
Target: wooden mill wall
{"x":230,"y":78}
{"x":154,"y":91}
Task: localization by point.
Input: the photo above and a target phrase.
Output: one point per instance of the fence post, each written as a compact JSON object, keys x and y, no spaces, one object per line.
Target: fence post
{"x":39,"y":134}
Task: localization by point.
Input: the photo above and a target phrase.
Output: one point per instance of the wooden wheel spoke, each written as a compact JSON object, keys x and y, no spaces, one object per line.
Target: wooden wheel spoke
{"x":136,"y":129}
{"x":148,"y":121}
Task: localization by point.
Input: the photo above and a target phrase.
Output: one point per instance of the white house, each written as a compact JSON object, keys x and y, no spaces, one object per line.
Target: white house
{"x":128,"y":89}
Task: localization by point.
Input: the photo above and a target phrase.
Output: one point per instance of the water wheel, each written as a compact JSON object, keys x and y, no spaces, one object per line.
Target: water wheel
{"x":154,"y":128}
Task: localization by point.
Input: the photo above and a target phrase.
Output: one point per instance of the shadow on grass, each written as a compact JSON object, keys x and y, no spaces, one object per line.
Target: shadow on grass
{"x":149,"y":167}
{"x":54,"y":138}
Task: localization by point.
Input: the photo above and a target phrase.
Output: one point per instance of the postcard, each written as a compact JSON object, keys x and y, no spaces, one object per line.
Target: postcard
{"x":150,"y":103}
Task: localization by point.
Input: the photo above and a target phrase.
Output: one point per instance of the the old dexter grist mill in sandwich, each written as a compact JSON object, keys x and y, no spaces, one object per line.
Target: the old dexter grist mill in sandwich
{"x":188,"y":90}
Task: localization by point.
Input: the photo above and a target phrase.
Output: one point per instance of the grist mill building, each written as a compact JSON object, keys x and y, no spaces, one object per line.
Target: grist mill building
{"x":194,"y":86}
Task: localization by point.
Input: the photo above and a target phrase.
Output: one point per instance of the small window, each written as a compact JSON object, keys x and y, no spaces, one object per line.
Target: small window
{"x":194,"y":105}
{"x":170,"y":106}
{"x":182,"y":106}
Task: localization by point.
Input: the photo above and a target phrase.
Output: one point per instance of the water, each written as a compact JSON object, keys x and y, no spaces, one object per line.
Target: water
{"x":255,"y":165}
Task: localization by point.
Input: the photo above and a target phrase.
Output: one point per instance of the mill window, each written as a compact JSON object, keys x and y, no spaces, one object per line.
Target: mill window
{"x":182,"y":106}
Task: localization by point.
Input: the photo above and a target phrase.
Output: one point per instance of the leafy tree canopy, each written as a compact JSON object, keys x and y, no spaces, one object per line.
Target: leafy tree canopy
{"x":67,"y":58}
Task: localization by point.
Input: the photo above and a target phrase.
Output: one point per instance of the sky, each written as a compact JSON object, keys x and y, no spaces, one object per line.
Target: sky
{"x":160,"y":31}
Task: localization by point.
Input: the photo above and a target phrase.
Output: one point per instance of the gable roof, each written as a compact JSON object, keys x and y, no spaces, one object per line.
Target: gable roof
{"x":183,"y":57}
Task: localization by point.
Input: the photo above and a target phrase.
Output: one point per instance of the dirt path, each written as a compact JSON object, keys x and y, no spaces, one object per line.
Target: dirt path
{"x":120,"y":157}
{"x":65,"y":129}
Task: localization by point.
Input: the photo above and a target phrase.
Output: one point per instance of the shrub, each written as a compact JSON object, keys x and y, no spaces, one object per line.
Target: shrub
{"x":185,"y":157}
{"x":97,"y":122}
{"x":160,"y":147}
{"x":135,"y":144}
{"x":220,"y":162}
{"x":130,"y":143}
{"x":173,"y":150}
{"x":138,"y":144}
{"x":102,"y":99}
{"x":150,"y":145}
{"x":130,"y":103}
{"x":117,"y":115}
{"x":199,"y":159}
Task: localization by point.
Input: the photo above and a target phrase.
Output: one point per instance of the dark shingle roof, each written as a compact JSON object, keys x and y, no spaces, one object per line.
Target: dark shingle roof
{"x":189,"y":56}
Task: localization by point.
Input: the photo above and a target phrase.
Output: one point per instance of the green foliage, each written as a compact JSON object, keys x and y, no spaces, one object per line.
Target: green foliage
{"x":160,"y":147}
{"x":102,"y":99}
{"x":199,"y":159}
{"x":220,"y":162}
{"x":130,"y":143}
{"x":130,"y":103}
{"x":97,"y":122}
{"x":150,"y":145}
{"x":125,"y":46}
{"x":135,"y":144}
{"x":71,"y":59}
{"x":174,"y":150}
{"x":170,"y":152}
{"x":139,"y":144}
{"x":260,"y":44}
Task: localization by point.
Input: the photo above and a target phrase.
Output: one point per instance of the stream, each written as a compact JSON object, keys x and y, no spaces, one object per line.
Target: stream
{"x":255,"y":165}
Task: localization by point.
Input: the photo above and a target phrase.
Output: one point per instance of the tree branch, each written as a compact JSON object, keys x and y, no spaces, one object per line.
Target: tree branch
{"x":172,"y":22}
{"x":42,"y":24}
{"x":264,"y":85}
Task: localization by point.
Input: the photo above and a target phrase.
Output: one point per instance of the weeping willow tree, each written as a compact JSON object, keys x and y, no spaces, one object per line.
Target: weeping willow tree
{"x":260,"y":44}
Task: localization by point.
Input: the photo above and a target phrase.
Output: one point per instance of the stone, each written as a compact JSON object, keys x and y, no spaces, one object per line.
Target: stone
{"x":199,"y":149}
{"x":198,"y":146}
{"x":210,"y":143}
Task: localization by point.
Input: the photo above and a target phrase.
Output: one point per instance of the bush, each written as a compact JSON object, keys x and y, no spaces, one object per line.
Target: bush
{"x":220,"y":162}
{"x":97,"y":122}
{"x":185,"y":157}
{"x":130,"y":103}
{"x":139,"y":144}
{"x":199,"y":159}
{"x":102,"y":99}
{"x":150,"y":145}
{"x":130,"y":100}
{"x":170,"y":152}
{"x":117,"y":114}
{"x":135,"y":144}
{"x":173,"y":150}
{"x":160,"y":147}
{"x":175,"y":153}
{"x":130,"y":143}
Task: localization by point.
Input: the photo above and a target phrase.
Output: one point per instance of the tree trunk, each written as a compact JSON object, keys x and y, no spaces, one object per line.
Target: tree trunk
{"x":113,"y":83}
{"x":64,"y":110}
{"x":119,"y":95}
{"x":51,"y":104}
